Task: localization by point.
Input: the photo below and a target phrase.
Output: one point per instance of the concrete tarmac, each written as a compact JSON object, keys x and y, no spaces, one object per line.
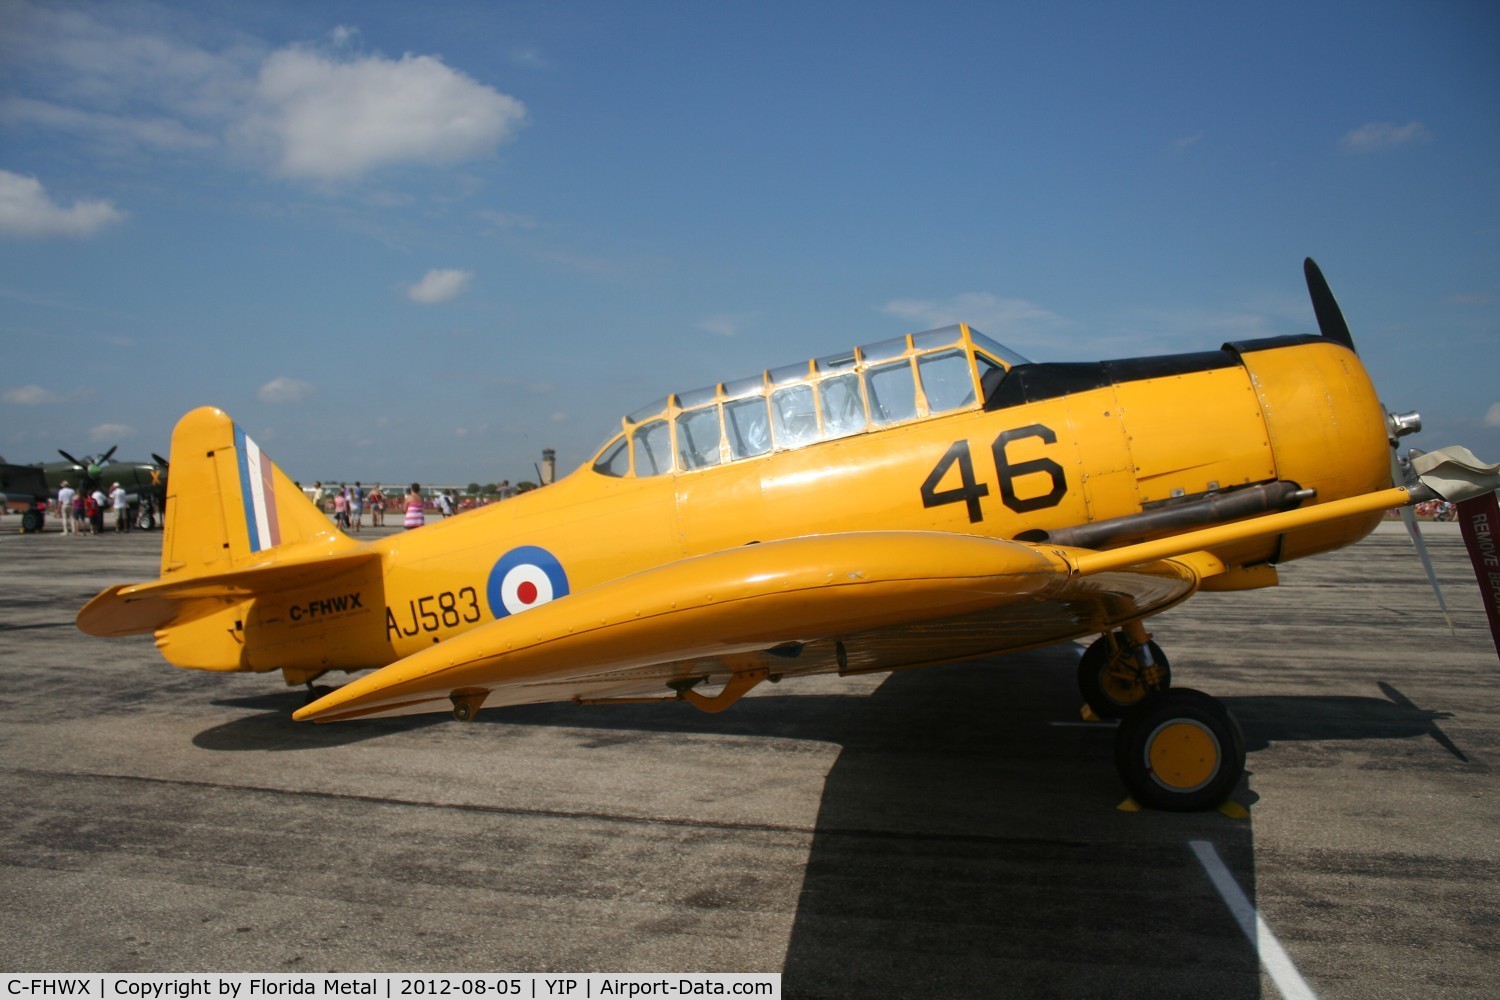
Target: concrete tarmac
{"x":948,"y":832}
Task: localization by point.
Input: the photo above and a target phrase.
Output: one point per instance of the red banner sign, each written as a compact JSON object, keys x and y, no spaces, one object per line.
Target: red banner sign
{"x":1479,"y":518}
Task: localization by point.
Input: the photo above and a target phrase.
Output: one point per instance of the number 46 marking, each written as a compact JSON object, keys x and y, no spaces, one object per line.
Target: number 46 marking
{"x":970,"y":489}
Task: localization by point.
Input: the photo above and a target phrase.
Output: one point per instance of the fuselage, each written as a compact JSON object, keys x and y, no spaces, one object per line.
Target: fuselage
{"x":944,"y":431}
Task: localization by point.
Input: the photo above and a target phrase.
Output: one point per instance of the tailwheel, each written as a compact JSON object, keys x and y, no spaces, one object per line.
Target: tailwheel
{"x":1113,"y":677}
{"x":1180,"y":750}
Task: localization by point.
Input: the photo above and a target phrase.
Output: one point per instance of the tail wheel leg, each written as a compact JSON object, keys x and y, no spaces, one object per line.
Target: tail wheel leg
{"x":1119,"y":670}
{"x":316,"y":691}
{"x":1180,"y":750}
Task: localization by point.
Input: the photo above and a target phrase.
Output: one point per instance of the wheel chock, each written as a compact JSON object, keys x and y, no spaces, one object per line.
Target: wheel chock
{"x":1087,"y":714}
{"x":1130,"y":805}
{"x":1233,"y":809}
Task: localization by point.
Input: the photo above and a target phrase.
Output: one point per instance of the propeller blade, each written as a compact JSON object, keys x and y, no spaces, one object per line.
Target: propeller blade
{"x":160,"y":461}
{"x":1409,"y":518}
{"x":1330,"y":317}
{"x":105,"y":457}
{"x":69,"y":457}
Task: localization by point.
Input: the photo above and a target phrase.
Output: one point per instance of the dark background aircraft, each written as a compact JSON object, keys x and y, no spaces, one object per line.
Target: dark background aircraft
{"x":145,"y":483}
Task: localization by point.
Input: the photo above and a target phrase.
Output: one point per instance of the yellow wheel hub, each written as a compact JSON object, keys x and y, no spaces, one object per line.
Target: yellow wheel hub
{"x":1122,"y":685}
{"x":1182,"y":755}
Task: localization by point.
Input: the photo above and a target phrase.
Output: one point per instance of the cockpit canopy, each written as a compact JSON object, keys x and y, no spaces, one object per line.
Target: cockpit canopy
{"x":878,"y":385}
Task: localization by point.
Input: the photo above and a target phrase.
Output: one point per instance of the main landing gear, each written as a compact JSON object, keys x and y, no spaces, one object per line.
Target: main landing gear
{"x":1120,"y":669}
{"x":1176,"y":748}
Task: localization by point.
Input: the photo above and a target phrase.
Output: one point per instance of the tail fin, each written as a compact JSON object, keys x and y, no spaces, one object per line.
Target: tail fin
{"x":228,"y":504}
{"x":237,"y":529}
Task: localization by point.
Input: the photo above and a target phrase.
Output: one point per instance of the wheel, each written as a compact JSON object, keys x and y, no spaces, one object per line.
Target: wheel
{"x":463,"y":711}
{"x":145,"y":520}
{"x":1110,"y":681}
{"x":32,"y":520}
{"x":1180,"y":750}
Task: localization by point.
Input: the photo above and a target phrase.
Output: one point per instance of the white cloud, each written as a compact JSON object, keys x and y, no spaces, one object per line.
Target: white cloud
{"x":110,"y":433}
{"x":1016,"y":322}
{"x":31,"y":395}
{"x":530,"y":59}
{"x":283,"y":389}
{"x":124,"y":79}
{"x":507,"y":220}
{"x":1492,"y":416}
{"x":111,"y":75}
{"x":322,"y":119}
{"x":722,"y":326}
{"x":439,"y":285}
{"x":1187,"y":141}
{"x":115,"y":132}
{"x":1377,"y":136}
{"x":27,"y":210}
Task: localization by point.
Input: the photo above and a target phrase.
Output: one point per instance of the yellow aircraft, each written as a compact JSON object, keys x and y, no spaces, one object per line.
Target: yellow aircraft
{"x":925,"y":499}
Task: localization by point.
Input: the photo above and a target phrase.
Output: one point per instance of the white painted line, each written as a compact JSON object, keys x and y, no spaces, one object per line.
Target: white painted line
{"x":1277,"y":963}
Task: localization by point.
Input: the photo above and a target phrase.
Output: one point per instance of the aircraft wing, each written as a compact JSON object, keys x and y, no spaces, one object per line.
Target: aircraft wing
{"x":851,"y":602}
{"x":24,"y":480}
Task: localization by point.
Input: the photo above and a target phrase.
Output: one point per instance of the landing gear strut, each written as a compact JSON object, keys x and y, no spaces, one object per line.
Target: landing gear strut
{"x":1176,"y":748}
{"x":1120,"y":669}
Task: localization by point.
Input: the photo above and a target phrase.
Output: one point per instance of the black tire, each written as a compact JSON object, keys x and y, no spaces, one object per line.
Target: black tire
{"x":32,"y":521}
{"x":1108,"y":681}
{"x":146,"y":521}
{"x":1180,"y":750}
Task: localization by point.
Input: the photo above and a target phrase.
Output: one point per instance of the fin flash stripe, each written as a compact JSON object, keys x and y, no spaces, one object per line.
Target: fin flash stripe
{"x":258,"y":492}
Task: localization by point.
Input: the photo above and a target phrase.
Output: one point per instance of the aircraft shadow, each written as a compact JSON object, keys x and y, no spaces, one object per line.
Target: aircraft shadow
{"x":1274,"y":719}
{"x":272,"y":727}
{"x":965,"y":845}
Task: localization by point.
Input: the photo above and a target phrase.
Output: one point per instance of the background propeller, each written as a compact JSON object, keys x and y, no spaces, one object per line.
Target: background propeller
{"x":90,"y":462}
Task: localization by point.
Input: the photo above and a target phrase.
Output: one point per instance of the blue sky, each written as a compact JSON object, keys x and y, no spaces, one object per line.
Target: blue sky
{"x":399,"y":241}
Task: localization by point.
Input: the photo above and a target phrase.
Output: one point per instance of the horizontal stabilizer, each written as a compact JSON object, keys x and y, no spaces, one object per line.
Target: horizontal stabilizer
{"x":139,"y":608}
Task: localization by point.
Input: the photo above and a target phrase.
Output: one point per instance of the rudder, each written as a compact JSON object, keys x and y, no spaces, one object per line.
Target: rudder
{"x":228,"y":504}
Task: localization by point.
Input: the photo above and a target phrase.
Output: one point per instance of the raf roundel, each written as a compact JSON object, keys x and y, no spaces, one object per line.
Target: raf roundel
{"x":524,"y":578}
